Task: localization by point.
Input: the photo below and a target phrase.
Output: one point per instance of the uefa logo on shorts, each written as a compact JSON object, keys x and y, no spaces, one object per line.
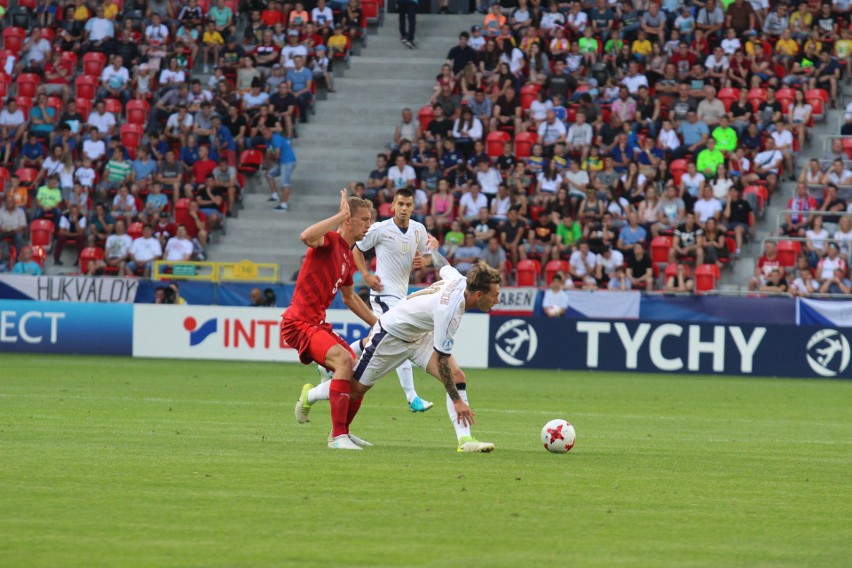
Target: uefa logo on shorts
{"x":828,"y":353}
{"x":516,"y":342}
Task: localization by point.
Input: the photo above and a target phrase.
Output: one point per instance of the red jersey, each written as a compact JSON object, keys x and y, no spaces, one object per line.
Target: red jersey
{"x":326,"y":269}
{"x":766,"y":265}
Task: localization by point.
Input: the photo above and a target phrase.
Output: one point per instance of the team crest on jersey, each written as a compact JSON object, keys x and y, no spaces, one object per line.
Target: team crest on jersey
{"x":405,"y":248}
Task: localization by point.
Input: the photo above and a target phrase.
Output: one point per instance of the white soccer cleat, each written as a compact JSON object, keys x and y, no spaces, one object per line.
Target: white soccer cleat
{"x":343,"y":442}
{"x":470,"y":444}
{"x":358,"y":441}
{"x":303,"y":407}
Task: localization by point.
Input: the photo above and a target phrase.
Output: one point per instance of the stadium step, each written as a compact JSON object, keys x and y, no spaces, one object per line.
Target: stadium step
{"x":342,"y":139}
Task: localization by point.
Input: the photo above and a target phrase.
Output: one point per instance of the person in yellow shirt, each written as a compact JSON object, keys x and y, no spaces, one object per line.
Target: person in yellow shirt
{"x":337,"y":42}
{"x":110,"y":10}
{"x":843,"y":52}
{"x":212,"y":41}
{"x":641,"y":47}
{"x":81,"y":11}
{"x":801,"y":21}
{"x":786,"y":49}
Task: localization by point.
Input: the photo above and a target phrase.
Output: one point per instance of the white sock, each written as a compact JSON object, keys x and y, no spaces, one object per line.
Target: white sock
{"x":406,"y":380}
{"x":356,"y":347}
{"x":461,"y":429}
{"x":319,"y":392}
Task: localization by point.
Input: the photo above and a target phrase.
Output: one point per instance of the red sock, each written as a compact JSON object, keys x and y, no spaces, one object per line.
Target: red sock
{"x":338,"y":399}
{"x":354,"y":405}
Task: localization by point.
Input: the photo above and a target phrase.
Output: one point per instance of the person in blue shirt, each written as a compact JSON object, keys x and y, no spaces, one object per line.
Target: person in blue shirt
{"x":301,"y":79}
{"x":279,"y":150}
{"x":26,"y":264}
{"x":32,"y":152}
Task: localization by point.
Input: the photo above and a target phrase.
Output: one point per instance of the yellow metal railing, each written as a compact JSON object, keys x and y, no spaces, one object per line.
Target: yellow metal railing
{"x":242,"y":271}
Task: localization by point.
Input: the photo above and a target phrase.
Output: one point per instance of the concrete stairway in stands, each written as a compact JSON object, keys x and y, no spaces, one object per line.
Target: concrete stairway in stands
{"x":342,"y":139}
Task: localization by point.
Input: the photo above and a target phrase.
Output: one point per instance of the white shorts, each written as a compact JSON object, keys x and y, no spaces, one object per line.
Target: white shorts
{"x":381,"y":303}
{"x":384,"y":353}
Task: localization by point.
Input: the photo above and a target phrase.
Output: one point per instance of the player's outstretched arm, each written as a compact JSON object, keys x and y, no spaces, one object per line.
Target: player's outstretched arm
{"x":357,"y":306}
{"x":314,"y":236}
{"x":438,"y":260}
{"x":372,"y":280}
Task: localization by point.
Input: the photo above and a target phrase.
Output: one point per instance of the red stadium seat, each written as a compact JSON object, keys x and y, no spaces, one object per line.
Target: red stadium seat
{"x":528,"y":272}
{"x":137,"y":111}
{"x":756,"y":97}
{"x":131,"y":136}
{"x":182,"y":211}
{"x":84,"y":106}
{"x":788,"y":252}
{"x":529,"y":93}
{"x":28,"y":84}
{"x":56,"y":104}
{"x":93,"y":64}
{"x":113,"y":106}
{"x":555,"y":266}
{"x":86,"y":87}
{"x":27,"y":176}
{"x":90,"y":254}
{"x":25,"y":104}
{"x":13,"y":39}
{"x":41,"y":232}
{"x":250,"y":161}
{"x":494,"y":143}
{"x":39,"y":255}
{"x":425,"y":115}
{"x":678,"y":168}
{"x":524,"y":142}
{"x":671,"y":270}
{"x":761,"y":196}
{"x":706,"y":276}
{"x":660,"y":249}
{"x":135,"y":230}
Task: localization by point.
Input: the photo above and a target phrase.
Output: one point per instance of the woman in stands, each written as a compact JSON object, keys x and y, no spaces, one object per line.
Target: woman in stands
{"x":715,"y":243}
{"x":487,"y":61}
{"x":633,"y":183}
{"x":813,"y":174}
{"x":649,"y":209}
{"x":799,"y":116}
{"x":442,"y":205}
{"x":817,"y":238}
{"x":538,"y":65}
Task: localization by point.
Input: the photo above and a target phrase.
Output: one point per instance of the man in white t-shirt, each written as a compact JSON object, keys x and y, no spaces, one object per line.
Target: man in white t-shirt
{"x":633,"y":80}
{"x":583,"y":262}
{"x":551,"y":131}
{"x":179,"y":247}
{"x":115,"y":81}
{"x":610,"y":259}
{"x":94,"y":148}
{"x":102,"y":120}
{"x":489,"y":178}
{"x":471,"y":202}
{"x":35,"y":50}
{"x":401,"y":175}
{"x":708,"y":206}
{"x":179,"y":125}
{"x":422,"y":328}
{"x":783,"y":138}
{"x":116,"y":250}
{"x":13,"y":118}
{"x":143,"y":252}
{"x":555,"y":301}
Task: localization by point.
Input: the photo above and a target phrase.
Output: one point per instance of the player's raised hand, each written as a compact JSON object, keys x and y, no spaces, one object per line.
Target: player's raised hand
{"x":374,"y":282}
{"x":432,"y":243}
{"x":465,"y":414}
{"x":344,"y":204}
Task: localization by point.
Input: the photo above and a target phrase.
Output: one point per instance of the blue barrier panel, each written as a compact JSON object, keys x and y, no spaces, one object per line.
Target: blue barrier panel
{"x":681,"y":347}
{"x":66,"y":327}
{"x":718,"y":309}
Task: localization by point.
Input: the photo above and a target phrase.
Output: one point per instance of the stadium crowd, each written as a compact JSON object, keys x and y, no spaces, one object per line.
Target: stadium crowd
{"x":602,"y":140}
{"x":127,"y":126}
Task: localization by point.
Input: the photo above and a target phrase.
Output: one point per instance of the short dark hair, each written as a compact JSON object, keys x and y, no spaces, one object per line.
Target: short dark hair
{"x":404,"y":192}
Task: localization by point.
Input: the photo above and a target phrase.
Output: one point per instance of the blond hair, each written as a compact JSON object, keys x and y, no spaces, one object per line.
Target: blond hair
{"x":481,"y":276}
{"x":356,"y":203}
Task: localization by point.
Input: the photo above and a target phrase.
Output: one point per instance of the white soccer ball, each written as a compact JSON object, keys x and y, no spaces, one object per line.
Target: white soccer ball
{"x":558,"y":436}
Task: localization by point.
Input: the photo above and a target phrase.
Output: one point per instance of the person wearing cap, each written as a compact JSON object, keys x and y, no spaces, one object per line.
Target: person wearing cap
{"x":292,"y":49}
{"x":321,"y":68}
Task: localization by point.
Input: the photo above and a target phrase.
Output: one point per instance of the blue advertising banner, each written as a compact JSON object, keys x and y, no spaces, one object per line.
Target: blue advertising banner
{"x":681,"y":347}
{"x":66,"y":327}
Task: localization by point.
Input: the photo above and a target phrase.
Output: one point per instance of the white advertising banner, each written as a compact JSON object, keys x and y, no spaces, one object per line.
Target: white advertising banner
{"x":516,"y":301}
{"x":68,"y":288}
{"x":252,"y":334}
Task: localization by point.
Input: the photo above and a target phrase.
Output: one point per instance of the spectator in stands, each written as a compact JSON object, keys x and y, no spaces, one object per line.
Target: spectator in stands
{"x":838,"y":283}
{"x":124,"y":204}
{"x":694,"y":134}
{"x":805,"y":284}
{"x":795,"y":223}
{"x":843,"y":234}
{"x":767,"y":167}
{"x":738,"y":217}
{"x":300,"y":80}
{"x":708,"y":207}
{"x":48,"y":200}
{"x":555,"y":300}
{"x":26,"y":264}
{"x":103,"y":120}
{"x":680,"y":280}
{"x":13,"y":222}
{"x":144,"y":251}
{"x":838,"y":174}
{"x":494,"y":255}
{"x":256,"y":297}
{"x":401,"y":175}
{"x":116,"y":251}
{"x":688,"y":241}
{"x":765,"y":264}
{"x":608,"y":261}
{"x":179,"y":247}
{"x":466,"y":254}
{"x":831,"y":262}
{"x":170,"y":174}
{"x":196,"y":230}
{"x":115,"y":81}
{"x":583,"y":263}
{"x":639,"y":269}
{"x":776,"y":281}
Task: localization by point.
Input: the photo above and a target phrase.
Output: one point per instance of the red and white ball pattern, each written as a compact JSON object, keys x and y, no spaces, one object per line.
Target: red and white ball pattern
{"x":558,"y":436}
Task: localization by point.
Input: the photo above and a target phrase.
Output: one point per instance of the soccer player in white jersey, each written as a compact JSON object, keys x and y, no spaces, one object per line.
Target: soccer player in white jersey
{"x":422,"y":328}
{"x":400,"y":244}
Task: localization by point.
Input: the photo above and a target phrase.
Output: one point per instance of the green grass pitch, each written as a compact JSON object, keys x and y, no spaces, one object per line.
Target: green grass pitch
{"x":120,"y":462}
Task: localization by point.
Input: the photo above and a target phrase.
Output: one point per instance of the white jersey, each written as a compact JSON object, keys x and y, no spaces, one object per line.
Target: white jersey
{"x":437,"y":309}
{"x":394,"y":253}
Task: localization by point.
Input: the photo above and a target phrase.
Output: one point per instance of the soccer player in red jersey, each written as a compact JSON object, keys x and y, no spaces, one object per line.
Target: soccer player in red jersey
{"x":328,"y":267}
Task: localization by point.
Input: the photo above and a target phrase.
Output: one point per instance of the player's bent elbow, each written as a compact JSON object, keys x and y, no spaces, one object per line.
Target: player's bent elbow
{"x":459,"y":376}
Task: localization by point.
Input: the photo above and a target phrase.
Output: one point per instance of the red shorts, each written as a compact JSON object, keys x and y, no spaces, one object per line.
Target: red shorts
{"x":312,"y":341}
